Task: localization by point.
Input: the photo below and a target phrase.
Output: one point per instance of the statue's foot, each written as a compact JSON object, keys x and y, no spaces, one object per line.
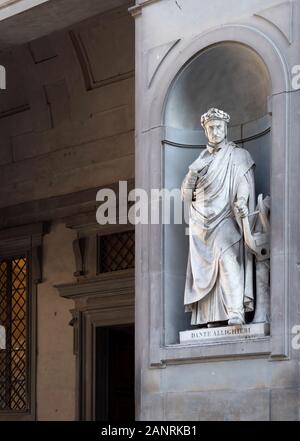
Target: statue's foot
{"x":235,"y":321}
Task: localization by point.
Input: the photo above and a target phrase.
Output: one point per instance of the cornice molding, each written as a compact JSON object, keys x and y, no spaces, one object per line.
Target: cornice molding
{"x":61,"y":207}
{"x":22,"y":239}
{"x":9,"y":8}
{"x":6,"y":3}
{"x":137,"y":9}
{"x":117,"y":283}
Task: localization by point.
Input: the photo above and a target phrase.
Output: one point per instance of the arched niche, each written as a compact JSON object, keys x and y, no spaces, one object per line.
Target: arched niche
{"x":234,"y":78}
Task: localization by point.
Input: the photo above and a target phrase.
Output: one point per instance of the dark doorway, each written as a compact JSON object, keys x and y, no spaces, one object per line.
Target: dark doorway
{"x":115,"y":373}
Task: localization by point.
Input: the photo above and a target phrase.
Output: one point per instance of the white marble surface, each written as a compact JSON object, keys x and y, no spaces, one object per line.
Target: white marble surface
{"x":224,"y":332}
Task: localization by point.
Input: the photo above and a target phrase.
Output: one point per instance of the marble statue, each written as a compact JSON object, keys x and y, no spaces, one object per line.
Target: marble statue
{"x":220,"y":189}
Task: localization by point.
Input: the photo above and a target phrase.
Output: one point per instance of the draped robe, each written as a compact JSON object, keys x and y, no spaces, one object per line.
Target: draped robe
{"x":219,"y":280}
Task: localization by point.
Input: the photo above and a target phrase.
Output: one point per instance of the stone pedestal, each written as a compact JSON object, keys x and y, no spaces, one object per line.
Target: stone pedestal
{"x":224,"y":333}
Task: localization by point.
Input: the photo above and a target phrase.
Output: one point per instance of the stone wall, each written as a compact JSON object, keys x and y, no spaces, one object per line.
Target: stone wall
{"x":67,"y":128}
{"x":67,"y":116}
{"x":253,"y":379}
{"x":55,"y":358}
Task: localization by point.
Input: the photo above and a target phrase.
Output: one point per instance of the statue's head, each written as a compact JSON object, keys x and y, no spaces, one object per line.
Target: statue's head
{"x":215,"y":123}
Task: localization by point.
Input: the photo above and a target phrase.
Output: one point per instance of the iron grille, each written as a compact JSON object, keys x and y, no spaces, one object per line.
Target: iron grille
{"x":13,"y":336}
{"x":116,"y":252}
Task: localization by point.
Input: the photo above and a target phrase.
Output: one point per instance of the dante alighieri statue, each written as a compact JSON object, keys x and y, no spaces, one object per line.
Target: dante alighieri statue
{"x":220,"y":189}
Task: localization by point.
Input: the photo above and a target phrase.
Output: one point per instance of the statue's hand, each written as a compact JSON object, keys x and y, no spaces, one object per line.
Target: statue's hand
{"x":193,"y":173}
{"x":192,"y":178}
{"x":241,"y":207}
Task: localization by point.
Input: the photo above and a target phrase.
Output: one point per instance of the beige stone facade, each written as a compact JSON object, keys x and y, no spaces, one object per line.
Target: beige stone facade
{"x":67,"y":129}
{"x":102,"y":91}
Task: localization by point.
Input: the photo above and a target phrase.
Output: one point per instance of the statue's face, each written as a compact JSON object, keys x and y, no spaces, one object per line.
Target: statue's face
{"x":216,"y":131}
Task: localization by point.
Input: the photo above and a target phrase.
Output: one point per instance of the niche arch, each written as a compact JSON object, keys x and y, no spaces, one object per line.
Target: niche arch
{"x":156,"y":119}
{"x":231,"y":77}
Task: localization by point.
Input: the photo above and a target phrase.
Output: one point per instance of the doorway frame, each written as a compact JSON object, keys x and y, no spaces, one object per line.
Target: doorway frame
{"x":103,"y":398}
{"x":106,"y":300}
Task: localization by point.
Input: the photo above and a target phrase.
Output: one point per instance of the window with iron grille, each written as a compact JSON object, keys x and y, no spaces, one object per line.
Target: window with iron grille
{"x":116,"y":252}
{"x":14,"y":334}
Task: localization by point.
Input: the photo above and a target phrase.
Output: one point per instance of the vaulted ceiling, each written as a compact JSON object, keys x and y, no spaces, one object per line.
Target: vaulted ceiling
{"x":67,"y":113}
{"x":47,"y":17}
